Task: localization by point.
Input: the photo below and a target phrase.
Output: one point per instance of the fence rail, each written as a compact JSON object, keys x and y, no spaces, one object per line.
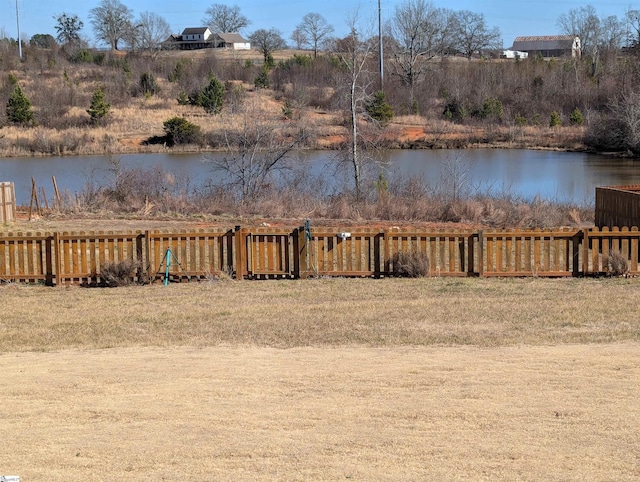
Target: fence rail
{"x":260,"y":253}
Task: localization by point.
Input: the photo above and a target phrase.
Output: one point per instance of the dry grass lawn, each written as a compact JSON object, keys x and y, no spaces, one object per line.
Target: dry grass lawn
{"x":331,"y":379}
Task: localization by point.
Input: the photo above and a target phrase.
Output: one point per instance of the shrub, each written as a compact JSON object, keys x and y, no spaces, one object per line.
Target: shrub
{"x":82,"y":56}
{"x":409,"y":265}
{"x":148,"y":84}
{"x":492,"y":109}
{"x":99,"y":107}
{"x":576,"y":118}
{"x":379,"y":109}
{"x":262,"y":80}
{"x":18,"y":108}
{"x":179,"y":130}
{"x":617,"y":264}
{"x":120,"y":273}
{"x":554,"y":120}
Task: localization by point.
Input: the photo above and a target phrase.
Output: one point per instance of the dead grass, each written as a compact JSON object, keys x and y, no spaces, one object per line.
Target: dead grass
{"x":329,"y":379}
{"x":331,"y":312}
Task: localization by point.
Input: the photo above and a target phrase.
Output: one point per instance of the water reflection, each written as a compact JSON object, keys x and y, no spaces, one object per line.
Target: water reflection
{"x":558,"y":176}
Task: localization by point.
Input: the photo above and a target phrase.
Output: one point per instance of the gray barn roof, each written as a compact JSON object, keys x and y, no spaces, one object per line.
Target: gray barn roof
{"x":543,"y":43}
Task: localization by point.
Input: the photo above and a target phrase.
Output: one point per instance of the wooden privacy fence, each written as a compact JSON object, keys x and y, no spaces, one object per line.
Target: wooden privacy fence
{"x":261,"y":253}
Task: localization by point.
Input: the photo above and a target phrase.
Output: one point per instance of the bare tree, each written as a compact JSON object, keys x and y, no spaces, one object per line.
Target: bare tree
{"x":316,"y":29}
{"x":257,"y":151}
{"x":472,"y":34}
{"x":267,"y":41}
{"x":111,"y":21}
{"x":299,"y":39}
{"x":612,"y":34}
{"x":582,"y":22}
{"x":225,"y":19}
{"x":152,"y":31}
{"x":633,"y":23}
{"x":421,"y":31}
{"x":354,"y":54}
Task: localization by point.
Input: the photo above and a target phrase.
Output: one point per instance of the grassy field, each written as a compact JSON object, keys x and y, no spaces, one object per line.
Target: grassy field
{"x":329,"y":379}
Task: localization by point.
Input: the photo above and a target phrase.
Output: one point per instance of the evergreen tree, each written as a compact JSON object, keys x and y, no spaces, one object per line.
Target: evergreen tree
{"x":18,"y":108}
{"x":379,"y":109}
{"x":99,"y":107}
{"x":211,"y":96}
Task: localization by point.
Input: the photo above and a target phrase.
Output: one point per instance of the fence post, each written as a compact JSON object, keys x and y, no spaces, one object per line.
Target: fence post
{"x":481,"y":253}
{"x":56,"y":250}
{"x":302,"y":252}
{"x":48,"y":261}
{"x":377,"y":269}
{"x":241,"y":252}
{"x":148,"y":250}
{"x":386,"y":257}
{"x":577,"y":238}
{"x":585,"y":251}
{"x":470,"y":254}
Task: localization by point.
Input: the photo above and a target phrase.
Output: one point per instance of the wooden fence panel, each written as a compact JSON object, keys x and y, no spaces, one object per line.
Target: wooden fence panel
{"x":451,"y":253}
{"x":25,"y":258}
{"x":81,"y":257}
{"x":271,"y":253}
{"x":189,"y":254}
{"x":341,"y":252}
{"x":527,"y":252}
{"x":598,"y":245}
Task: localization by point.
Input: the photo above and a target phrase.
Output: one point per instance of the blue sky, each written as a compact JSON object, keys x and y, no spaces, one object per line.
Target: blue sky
{"x":512,"y":17}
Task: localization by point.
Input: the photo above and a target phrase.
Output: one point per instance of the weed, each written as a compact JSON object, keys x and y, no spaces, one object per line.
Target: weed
{"x":617,"y":264}
{"x":409,"y":265}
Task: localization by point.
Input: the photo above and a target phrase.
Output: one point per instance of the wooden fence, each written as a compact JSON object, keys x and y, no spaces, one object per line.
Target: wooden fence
{"x":7,"y":202}
{"x":617,"y":206}
{"x":260,"y":253}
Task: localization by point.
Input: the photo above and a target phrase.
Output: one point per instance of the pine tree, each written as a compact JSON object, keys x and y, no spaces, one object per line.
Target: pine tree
{"x":99,"y":107}
{"x":379,"y":109}
{"x":211,"y":96}
{"x":18,"y":108}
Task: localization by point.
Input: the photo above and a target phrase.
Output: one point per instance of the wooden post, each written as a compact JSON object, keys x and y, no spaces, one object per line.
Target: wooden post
{"x":377,"y":269}
{"x":56,"y":193}
{"x":470,"y":255}
{"x":48,"y":260}
{"x":585,"y":251}
{"x":4,"y":216}
{"x":56,"y":249}
{"x":44,"y":196}
{"x":241,"y":252}
{"x":480,"y":253}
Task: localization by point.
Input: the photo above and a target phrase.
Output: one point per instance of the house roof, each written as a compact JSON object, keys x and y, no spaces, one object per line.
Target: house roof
{"x":194,"y":31}
{"x":231,"y":38}
{"x":546,"y":42}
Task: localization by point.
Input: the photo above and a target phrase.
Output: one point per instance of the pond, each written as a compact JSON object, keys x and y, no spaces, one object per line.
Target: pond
{"x":557,"y":176}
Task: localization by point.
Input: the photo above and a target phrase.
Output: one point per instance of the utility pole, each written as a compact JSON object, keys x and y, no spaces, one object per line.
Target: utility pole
{"x":380,"y":42}
{"x":18,"y":22}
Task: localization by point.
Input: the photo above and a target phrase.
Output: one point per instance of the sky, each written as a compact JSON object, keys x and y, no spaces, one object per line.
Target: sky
{"x":513,"y":17}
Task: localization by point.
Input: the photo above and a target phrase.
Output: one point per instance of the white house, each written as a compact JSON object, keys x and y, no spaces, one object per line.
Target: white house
{"x":233,"y":41}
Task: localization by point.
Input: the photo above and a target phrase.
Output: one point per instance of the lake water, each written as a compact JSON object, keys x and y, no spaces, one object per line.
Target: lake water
{"x":560,"y":176}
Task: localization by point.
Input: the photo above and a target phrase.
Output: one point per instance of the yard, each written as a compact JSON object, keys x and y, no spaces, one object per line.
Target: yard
{"x":329,"y":379}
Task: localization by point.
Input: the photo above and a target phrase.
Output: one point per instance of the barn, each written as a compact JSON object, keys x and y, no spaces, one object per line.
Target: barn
{"x":549,"y":46}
